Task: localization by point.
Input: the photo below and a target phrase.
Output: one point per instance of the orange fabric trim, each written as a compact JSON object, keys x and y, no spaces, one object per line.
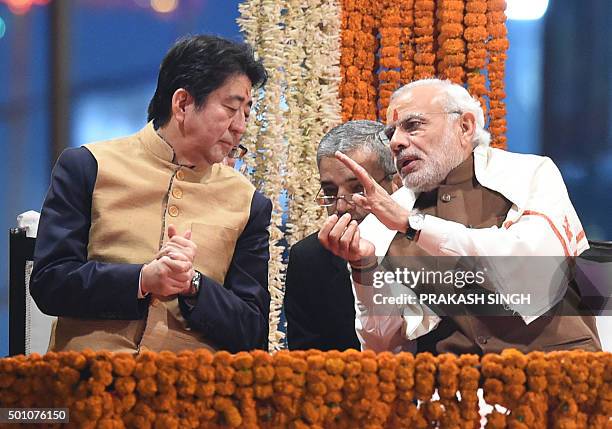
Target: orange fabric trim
{"x":552,"y":226}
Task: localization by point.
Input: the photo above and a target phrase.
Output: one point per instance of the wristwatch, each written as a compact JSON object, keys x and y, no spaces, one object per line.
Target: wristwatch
{"x":415,"y":224}
{"x":196,"y":281}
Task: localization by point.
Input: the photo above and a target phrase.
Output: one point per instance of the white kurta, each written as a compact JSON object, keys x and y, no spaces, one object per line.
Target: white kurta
{"x":541,"y":222}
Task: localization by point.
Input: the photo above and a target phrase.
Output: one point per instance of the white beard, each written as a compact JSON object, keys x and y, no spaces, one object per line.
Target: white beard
{"x":436,"y":167}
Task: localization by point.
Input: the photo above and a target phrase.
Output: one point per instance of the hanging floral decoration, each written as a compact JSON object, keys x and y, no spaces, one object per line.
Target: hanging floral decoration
{"x":266,"y":141}
{"x":406,"y":42}
{"x":464,"y":41}
{"x":497,"y":47}
{"x":389,"y":77}
{"x":451,"y":46}
{"x":299,"y":44}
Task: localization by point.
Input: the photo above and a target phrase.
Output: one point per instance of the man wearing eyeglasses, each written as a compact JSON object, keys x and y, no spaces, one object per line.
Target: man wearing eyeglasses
{"x":148,"y":242}
{"x":471,"y":204}
{"x":319,"y":304}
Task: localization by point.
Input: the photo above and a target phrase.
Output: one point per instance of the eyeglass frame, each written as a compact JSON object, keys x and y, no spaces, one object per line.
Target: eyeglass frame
{"x":389,"y":131}
{"x":243,"y":151}
{"x":343,"y":197}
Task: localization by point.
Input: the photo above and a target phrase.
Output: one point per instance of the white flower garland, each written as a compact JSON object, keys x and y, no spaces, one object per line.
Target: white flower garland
{"x":299,"y":44}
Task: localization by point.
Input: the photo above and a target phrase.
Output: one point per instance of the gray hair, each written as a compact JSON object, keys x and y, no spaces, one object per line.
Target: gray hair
{"x":454,"y":98}
{"x":357,"y":135}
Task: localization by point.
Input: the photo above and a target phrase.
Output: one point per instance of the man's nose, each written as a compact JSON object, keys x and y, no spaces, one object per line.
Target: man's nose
{"x":398,"y":143}
{"x":238,"y":125}
{"x":342,"y":206}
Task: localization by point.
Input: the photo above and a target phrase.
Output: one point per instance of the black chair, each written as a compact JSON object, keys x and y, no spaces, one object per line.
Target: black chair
{"x":600,"y":251}
{"x":594,"y":277}
{"x":21,"y":254}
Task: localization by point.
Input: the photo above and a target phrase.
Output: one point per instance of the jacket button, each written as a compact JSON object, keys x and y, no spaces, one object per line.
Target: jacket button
{"x":177,"y":193}
{"x":180,"y":175}
{"x":481,"y":339}
{"x":445,"y":198}
{"x":173,"y":211}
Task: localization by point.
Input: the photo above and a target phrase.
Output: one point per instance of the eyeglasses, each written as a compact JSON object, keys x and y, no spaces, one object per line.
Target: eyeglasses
{"x":413,"y":123}
{"x":331,"y":200}
{"x":238,"y":152}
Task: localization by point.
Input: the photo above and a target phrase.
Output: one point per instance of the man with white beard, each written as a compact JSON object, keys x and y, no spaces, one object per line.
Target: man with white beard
{"x":461,"y":198}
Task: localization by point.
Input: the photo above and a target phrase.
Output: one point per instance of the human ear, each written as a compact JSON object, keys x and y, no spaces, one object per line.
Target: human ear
{"x":467,"y":123}
{"x":180,"y":100}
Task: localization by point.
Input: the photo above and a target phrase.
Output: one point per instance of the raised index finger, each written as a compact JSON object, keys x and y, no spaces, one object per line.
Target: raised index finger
{"x":360,"y":173}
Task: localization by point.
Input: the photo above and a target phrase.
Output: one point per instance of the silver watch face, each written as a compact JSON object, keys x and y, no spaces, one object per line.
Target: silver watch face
{"x":416,"y":221}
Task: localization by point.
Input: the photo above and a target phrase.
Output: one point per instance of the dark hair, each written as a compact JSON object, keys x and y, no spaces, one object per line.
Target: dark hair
{"x":200,"y":64}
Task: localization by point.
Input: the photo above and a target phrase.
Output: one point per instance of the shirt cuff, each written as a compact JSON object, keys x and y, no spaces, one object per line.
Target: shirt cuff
{"x":140,"y":294}
{"x":434,"y":235}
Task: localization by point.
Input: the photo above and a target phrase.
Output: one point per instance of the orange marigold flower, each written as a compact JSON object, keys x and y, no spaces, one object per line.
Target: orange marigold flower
{"x":75,"y":359}
{"x":450,"y":16}
{"x":496,"y":16}
{"x":424,"y":5}
{"x":390,"y":51}
{"x":424,"y":58}
{"x":498,"y":45}
{"x":453,"y":46}
{"x":475,"y":19}
{"x":123,"y":364}
{"x":346,"y":56}
{"x":368,"y":21}
{"x":475,"y":34}
{"x":476,"y":6}
{"x":390,"y":33}
{"x":497,"y":31}
{"x":145,"y":366}
{"x":421,"y":71}
{"x":186,"y":384}
{"x":299,"y":365}
{"x":452,"y":29}
{"x":334,"y":366}
{"x":205,"y":373}
{"x":226,"y":388}
{"x":147,"y":386}
{"x":367,"y":76}
{"x":424,"y":44}
{"x":352,"y":72}
{"x":390,"y":62}
{"x":392,"y":19}
{"x":186,"y":360}
{"x":334,"y":382}
{"x":348,"y":37}
{"x":497,"y":112}
{"x":355,"y":21}
{"x":125,"y":385}
{"x":496,"y":5}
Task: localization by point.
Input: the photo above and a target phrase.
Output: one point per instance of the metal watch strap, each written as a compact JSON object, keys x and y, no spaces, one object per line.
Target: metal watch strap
{"x":196,"y":282}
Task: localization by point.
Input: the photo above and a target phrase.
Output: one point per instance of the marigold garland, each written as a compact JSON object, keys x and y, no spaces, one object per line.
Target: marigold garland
{"x":326,"y":389}
{"x":451,"y":46}
{"x":406,"y":43}
{"x":424,"y":58}
{"x":464,"y":41}
{"x":390,"y":63}
{"x":497,"y":47}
